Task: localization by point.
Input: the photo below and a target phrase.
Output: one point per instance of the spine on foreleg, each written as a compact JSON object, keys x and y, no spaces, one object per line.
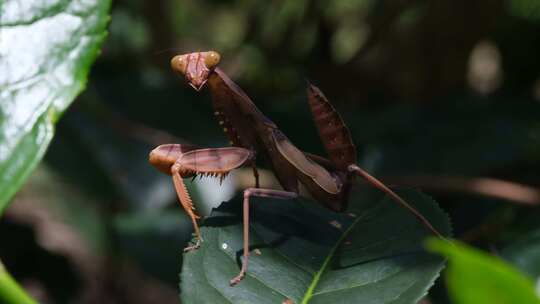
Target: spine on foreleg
{"x":333,"y":132}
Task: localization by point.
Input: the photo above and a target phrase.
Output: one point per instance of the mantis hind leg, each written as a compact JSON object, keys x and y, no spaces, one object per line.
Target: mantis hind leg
{"x":247,"y":194}
{"x":378,"y":184}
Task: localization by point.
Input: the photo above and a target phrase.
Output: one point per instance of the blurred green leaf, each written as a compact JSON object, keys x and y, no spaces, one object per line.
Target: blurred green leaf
{"x":524,"y":253}
{"x":10,"y":292}
{"x":129,"y":32}
{"x":347,"y":40}
{"x":459,"y":138}
{"x":46,"y":49}
{"x":310,"y":255}
{"x":66,"y":204}
{"x":525,"y":9}
{"x":154,"y":239}
{"x":476,"y":277}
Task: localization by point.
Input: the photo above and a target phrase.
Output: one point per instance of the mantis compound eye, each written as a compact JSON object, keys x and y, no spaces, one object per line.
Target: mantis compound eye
{"x":179,"y":64}
{"x":211,"y":59}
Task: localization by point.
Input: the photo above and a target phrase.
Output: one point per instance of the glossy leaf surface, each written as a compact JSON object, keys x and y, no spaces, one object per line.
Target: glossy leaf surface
{"x":46,"y":49}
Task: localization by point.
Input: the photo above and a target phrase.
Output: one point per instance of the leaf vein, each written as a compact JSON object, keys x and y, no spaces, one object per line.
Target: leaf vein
{"x":317,"y":277}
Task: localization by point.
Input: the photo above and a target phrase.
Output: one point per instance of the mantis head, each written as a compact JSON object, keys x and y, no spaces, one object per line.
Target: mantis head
{"x":195,"y":66}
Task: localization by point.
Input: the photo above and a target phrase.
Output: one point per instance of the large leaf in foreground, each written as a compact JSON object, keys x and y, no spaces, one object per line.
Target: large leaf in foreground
{"x":308,"y":254}
{"x":46,"y":49}
{"x":475,"y":277}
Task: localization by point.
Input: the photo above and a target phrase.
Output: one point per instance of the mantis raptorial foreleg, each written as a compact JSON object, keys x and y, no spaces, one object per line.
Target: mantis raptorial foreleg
{"x":187,"y":204}
{"x":247,"y":194}
{"x":182,"y":161}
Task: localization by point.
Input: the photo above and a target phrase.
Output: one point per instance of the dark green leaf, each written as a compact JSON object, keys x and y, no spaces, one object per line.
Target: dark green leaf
{"x":524,"y":9}
{"x":311,"y":255}
{"x":477,"y":278}
{"x":458,"y":138}
{"x":524,"y":253}
{"x":46,"y":49}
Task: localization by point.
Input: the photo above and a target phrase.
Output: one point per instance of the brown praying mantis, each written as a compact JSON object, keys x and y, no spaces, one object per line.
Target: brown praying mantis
{"x":253,"y":135}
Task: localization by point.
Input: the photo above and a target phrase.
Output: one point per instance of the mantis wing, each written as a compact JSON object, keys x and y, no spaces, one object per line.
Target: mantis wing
{"x":305,"y":165}
{"x":333,"y":132}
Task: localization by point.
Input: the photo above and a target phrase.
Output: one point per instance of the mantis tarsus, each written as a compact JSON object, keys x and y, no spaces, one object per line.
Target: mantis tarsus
{"x":252,"y":135}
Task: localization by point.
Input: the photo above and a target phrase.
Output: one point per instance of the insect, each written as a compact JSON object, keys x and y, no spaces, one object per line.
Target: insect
{"x":252,"y":136}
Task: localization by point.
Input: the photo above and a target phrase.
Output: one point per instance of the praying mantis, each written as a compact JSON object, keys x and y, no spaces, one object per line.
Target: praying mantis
{"x":253,"y":136}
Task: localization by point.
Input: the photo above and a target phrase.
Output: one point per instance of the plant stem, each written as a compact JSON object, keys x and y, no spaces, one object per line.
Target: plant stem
{"x":10,"y":291}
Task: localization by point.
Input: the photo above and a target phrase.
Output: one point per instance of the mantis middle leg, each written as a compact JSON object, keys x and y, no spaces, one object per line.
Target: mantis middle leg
{"x":279,"y":194}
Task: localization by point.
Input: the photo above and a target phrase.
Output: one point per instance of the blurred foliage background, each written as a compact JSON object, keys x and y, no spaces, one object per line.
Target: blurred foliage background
{"x":440,"y":95}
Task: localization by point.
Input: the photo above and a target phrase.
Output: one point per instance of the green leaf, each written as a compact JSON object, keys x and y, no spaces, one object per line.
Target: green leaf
{"x":10,"y":291}
{"x":524,"y":9}
{"x":524,"y":253}
{"x":308,"y":254}
{"x":46,"y":49}
{"x":476,"y":277}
